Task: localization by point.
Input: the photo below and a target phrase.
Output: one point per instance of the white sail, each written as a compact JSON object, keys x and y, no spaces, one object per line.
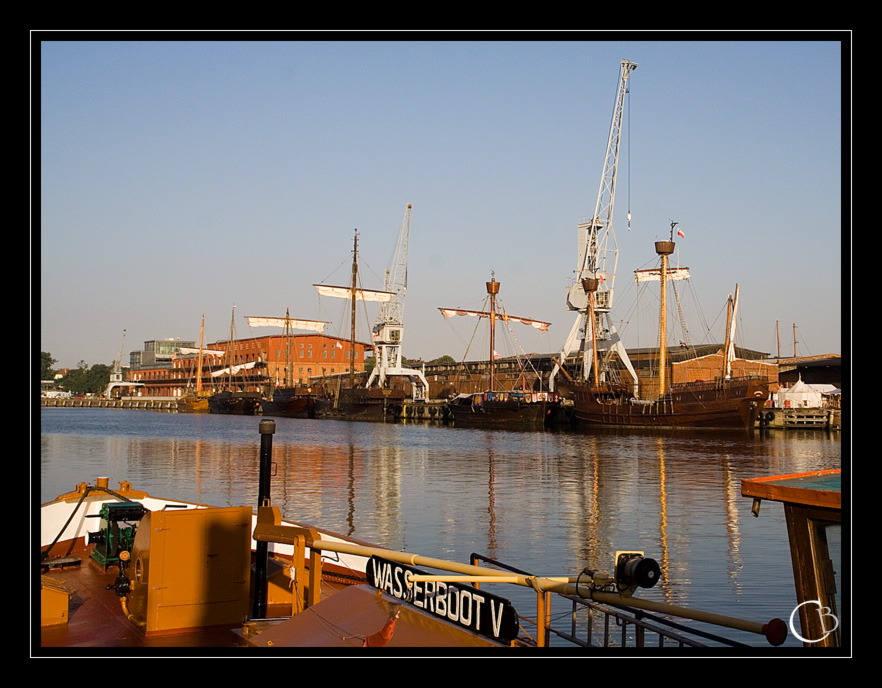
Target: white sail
{"x":654,"y":275}
{"x":311,"y":325}
{"x":234,"y":369}
{"x":360,"y":294}
{"x":205,"y":352}
{"x":538,"y":324}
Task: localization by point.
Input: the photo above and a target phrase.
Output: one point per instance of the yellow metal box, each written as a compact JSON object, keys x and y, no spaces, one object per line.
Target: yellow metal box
{"x":54,"y":602}
{"x":191,"y":569}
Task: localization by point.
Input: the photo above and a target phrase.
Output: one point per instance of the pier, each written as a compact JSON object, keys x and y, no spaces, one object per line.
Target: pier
{"x":799,"y":419}
{"x":148,"y":403}
{"x":418,"y":410}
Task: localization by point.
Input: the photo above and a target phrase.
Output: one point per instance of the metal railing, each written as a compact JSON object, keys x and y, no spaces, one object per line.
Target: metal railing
{"x":596,"y":625}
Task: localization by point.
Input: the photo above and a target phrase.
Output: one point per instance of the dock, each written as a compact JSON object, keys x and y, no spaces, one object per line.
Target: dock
{"x":798,"y":419}
{"x":151,"y":404}
{"x":430,"y":410}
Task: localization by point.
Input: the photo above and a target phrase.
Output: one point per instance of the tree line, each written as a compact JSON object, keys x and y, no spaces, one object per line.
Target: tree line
{"x":83,"y":379}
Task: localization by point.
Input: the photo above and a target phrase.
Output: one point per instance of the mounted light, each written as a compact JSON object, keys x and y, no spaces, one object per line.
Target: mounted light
{"x":633,"y":571}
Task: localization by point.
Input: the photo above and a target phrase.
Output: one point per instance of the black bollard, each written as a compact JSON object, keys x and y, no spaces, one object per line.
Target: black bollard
{"x":267,"y":428}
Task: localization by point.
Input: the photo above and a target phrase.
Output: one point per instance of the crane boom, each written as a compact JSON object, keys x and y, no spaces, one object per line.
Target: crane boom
{"x":388,"y":331}
{"x":392,"y":312}
{"x":597,"y":243}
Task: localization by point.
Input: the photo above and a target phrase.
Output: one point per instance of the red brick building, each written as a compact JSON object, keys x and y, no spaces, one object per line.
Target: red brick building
{"x":256,"y":363}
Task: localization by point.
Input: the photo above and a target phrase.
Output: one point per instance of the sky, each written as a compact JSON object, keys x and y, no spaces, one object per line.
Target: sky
{"x":175,"y":179}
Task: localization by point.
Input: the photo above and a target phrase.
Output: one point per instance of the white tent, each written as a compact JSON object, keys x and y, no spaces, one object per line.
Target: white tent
{"x":803,"y":395}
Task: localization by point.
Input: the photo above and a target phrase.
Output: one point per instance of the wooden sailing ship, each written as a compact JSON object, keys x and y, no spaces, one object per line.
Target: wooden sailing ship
{"x":493,"y":406}
{"x":287,"y":399}
{"x":358,"y":403}
{"x":196,"y":401}
{"x":232,"y":399}
{"x":723,"y":402}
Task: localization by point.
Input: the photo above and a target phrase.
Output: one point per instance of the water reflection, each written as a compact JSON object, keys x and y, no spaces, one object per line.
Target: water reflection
{"x":551,"y":503}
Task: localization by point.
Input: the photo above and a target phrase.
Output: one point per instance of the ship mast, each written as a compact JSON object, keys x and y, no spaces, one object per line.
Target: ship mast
{"x":199,"y":359}
{"x":729,"y":346}
{"x":590,"y":285}
{"x":492,"y":290}
{"x":353,"y":292}
{"x":663,"y":249}
{"x":288,"y":324}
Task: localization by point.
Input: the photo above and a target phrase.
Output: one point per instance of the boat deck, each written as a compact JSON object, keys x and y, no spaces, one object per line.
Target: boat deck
{"x":96,"y":619}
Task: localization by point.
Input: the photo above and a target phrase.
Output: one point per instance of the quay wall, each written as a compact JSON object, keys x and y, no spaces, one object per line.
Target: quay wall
{"x":432,"y":410}
{"x":153,"y":404}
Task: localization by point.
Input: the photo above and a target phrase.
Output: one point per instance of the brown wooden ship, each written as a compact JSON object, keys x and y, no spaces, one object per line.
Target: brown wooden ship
{"x":196,"y":401}
{"x":725,"y":402}
{"x":495,"y":407}
{"x":287,"y":399}
{"x":234,"y":398}
{"x":352,"y":402}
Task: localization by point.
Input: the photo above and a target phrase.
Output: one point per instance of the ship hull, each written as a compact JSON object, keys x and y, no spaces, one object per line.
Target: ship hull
{"x":499,"y":409}
{"x":365,"y":404}
{"x":234,"y":403}
{"x":193,"y":404}
{"x":287,"y":403}
{"x":732,"y":405}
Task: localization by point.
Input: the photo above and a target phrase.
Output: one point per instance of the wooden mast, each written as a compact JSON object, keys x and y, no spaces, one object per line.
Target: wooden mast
{"x":729,"y":346}
{"x":352,"y":323}
{"x":492,"y":290}
{"x":590,"y":284}
{"x":289,"y":368}
{"x":230,"y":358}
{"x":199,"y":359}
{"x":663,"y":249}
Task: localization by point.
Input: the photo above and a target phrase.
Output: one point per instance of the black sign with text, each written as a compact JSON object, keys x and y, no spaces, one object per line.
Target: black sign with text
{"x":478,"y":611}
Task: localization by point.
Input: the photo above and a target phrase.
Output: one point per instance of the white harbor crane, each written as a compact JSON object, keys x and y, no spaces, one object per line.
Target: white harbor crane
{"x":597,"y":245}
{"x":388,"y":332}
{"x":116,"y":375}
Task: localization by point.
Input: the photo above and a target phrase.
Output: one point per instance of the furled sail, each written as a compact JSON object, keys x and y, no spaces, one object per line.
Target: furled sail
{"x":234,"y":369}
{"x":205,"y":352}
{"x":360,"y":294}
{"x":538,"y":324}
{"x":654,"y":275}
{"x":311,"y":325}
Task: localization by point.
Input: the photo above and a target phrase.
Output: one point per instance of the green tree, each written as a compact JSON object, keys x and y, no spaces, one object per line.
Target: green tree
{"x":85,"y":380}
{"x":46,"y":363}
{"x":74,"y":381}
{"x":98,"y":377}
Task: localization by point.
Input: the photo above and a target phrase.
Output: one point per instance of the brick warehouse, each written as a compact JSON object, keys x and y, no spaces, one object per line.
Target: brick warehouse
{"x":264,"y":360}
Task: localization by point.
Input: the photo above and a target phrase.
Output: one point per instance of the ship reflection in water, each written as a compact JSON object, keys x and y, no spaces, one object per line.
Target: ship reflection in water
{"x":550,"y":503}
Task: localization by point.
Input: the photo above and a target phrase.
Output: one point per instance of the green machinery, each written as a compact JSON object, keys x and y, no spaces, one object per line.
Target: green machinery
{"x":119,"y":521}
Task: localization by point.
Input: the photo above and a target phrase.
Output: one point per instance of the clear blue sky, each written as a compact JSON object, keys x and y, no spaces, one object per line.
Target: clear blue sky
{"x":181,"y":178}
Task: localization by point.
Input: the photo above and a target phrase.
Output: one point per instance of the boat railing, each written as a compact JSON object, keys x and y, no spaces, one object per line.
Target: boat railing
{"x":593,"y":624}
{"x":591,"y":594}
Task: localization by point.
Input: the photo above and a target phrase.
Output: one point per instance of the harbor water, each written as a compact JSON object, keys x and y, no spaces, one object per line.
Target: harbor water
{"x":547,"y":502}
